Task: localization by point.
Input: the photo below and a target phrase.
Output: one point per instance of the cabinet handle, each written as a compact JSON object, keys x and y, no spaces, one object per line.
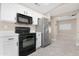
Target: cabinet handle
{"x":17,"y":44}
{"x":11,"y":39}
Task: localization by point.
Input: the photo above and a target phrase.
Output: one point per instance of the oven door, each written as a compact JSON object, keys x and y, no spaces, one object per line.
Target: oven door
{"x":27,"y":43}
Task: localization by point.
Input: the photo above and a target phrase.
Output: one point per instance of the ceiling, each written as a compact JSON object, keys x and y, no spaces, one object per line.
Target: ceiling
{"x":53,"y":9}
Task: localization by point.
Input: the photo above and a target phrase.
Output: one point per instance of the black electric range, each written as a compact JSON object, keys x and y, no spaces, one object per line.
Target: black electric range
{"x":27,"y":41}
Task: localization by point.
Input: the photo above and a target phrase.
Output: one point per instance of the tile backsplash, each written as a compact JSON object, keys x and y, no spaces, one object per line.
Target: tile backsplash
{"x":9,"y":26}
{"x":6,"y":26}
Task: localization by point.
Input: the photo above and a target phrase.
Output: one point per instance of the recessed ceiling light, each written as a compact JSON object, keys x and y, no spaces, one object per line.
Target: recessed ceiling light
{"x":37,"y":4}
{"x":42,"y":4}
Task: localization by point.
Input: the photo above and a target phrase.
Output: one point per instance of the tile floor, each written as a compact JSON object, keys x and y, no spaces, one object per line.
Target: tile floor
{"x":63,"y":46}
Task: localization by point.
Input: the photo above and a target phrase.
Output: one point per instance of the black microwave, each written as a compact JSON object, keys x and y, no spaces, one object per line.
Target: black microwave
{"x":24,"y":19}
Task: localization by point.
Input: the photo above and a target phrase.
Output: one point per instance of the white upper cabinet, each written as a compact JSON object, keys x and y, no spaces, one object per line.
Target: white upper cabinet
{"x":38,"y":41}
{"x":8,"y":12}
{"x":35,"y":21}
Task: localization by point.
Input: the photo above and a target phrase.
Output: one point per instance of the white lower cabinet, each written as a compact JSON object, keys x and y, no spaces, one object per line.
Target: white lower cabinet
{"x":1,"y":47}
{"x":9,"y":45}
{"x":38,"y":40}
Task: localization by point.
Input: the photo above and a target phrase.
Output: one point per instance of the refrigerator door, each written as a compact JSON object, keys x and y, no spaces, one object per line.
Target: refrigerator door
{"x":43,"y":28}
{"x":46,"y":40}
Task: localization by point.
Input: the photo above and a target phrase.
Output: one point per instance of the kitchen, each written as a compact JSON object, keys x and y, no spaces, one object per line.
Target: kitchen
{"x":16,"y":18}
{"x":29,"y":29}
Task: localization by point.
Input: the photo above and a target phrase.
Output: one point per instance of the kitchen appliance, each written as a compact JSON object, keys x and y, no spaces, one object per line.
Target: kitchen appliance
{"x":24,"y":19}
{"x":43,"y":28}
{"x":27,"y":41}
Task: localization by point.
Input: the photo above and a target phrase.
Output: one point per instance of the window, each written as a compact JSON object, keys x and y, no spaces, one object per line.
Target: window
{"x":65,"y":27}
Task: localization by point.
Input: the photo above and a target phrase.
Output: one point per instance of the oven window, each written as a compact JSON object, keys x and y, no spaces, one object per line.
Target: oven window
{"x":28,"y":42}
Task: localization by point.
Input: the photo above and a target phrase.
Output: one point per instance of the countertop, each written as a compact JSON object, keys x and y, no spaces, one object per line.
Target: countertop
{"x":7,"y":33}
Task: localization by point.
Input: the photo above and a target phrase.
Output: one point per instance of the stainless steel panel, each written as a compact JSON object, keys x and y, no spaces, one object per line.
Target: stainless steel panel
{"x":43,"y":28}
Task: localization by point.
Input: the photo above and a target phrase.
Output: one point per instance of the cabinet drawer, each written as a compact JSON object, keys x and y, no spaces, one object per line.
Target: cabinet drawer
{"x":10,"y":46}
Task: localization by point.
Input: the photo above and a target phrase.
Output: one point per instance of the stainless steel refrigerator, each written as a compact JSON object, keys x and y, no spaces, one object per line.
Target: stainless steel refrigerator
{"x":43,"y":28}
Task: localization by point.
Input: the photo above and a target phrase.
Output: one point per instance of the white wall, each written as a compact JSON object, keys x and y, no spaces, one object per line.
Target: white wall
{"x":9,"y":10}
{"x":54,"y":27}
{"x":65,"y":27}
{"x":77,"y":30}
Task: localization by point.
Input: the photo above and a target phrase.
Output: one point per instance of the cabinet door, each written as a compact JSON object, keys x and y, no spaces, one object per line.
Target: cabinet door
{"x":10,"y":46}
{"x":35,"y":20}
{"x":38,"y":41}
{"x":8,"y":12}
{"x":1,"y":47}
